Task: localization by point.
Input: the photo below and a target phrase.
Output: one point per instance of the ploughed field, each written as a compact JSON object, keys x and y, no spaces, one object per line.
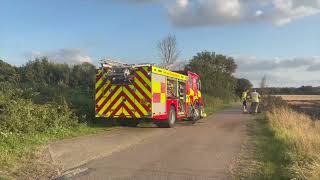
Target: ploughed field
{"x":309,"y":104}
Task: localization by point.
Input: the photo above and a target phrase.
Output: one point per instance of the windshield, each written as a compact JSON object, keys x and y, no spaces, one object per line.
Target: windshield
{"x":120,"y":75}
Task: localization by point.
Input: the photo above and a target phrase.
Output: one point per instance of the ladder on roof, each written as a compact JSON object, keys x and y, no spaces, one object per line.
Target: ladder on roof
{"x":109,"y":63}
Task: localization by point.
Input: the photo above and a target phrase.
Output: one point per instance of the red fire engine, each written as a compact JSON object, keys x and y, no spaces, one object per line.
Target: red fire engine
{"x":131,"y":93}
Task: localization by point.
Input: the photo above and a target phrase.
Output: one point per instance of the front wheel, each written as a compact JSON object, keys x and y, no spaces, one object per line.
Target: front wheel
{"x":196,"y":113}
{"x":170,"y":122}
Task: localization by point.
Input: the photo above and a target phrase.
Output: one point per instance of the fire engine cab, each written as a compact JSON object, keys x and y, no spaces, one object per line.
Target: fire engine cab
{"x":132,"y":93}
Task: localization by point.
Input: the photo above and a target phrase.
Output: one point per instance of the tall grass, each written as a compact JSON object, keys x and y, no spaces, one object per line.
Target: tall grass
{"x":213,"y":104}
{"x":301,"y":136}
{"x":281,"y":144}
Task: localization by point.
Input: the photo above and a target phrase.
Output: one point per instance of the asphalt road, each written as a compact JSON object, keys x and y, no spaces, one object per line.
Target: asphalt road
{"x":202,"y":151}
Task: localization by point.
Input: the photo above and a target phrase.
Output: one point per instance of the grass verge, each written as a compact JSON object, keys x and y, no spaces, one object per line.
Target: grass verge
{"x":23,"y":156}
{"x":214,"y":104}
{"x":282,"y":144}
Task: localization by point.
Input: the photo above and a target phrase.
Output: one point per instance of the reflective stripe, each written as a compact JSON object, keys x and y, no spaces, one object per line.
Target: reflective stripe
{"x":168,"y":73}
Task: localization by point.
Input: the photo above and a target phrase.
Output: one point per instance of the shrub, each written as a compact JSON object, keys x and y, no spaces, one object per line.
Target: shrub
{"x":80,"y":101}
{"x":23,"y":116}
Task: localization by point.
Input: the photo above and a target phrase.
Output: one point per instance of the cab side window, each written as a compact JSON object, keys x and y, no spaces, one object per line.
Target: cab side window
{"x":171,"y":89}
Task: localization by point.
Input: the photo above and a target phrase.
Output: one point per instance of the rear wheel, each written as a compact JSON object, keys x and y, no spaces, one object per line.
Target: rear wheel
{"x":170,"y":122}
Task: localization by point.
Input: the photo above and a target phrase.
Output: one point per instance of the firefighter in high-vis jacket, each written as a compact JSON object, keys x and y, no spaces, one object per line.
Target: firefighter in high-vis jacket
{"x":255,"y":100}
{"x":244,"y":100}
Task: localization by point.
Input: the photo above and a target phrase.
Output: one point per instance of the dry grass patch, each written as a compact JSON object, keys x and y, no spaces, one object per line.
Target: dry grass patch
{"x":302,"y":137}
{"x":300,"y":97}
{"x":282,"y":144}
{"x":308,"y":104}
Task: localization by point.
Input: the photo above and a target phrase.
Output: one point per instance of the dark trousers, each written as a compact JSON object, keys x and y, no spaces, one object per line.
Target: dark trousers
{"x":244,"y":103}
{"x":254,"y":107}
{"x":245,"y":107}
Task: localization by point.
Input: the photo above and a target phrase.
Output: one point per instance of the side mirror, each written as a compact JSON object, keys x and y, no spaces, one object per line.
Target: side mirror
{"x":199,"y":84}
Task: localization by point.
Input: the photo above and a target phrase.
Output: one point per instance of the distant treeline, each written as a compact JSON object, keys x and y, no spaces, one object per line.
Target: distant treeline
{"x":303,"y":90}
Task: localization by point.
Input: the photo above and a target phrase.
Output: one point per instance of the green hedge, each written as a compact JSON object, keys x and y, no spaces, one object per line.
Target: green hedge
{"x":23,"y":116}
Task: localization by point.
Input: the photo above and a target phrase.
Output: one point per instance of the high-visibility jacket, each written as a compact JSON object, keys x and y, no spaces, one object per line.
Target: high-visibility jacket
{"x":244,"y":96}
{"x":255,"y":97}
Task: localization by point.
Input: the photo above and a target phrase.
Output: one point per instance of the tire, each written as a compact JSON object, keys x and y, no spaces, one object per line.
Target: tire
{"x":196,"y":114}
{"x":170,"y":122}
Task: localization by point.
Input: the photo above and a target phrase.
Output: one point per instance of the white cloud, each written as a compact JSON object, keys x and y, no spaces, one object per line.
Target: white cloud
{"x":259,"y":13}
{"x":253,"y":64}
{"x":182,"y":3}
{"x":66,"y":55}
{"x":280,"y":72}
{"x":201,"y":13}
{"x":219,"y":12}
{"x":288,"y":10}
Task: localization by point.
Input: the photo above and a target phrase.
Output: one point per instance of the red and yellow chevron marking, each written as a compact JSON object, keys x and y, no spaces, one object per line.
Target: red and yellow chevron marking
{"x":102,"y":85}
{"x":124,"y":101}
{"x":142,"y":90}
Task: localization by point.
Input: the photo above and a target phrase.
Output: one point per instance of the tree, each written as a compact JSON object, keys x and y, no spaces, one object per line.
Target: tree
{"x":263,"y":83}
{"x":264,"y":86}
{"x":242,"y":84}
{"x":168,"y":50}
{"x":83,"y":75}
{"x":216,"y":73}
{"x":8,"y":73}
{"x":42,"y":72}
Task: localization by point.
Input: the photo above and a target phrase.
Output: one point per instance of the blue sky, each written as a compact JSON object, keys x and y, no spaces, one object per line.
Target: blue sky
{"x":129,"y":30}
